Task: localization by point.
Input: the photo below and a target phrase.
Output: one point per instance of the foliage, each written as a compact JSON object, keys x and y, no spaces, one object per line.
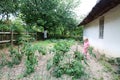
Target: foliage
{"x":42,"y":50}
{"x":90,"y":50}
{"x":17,"y":26}
{"x":80,"y":57}
{"x":3,"y":60}
{"x":108,"y":64}
{"x":77,"y":33}
{"x":57,"y":17}
{"x":75,"y":69}
{"x":60,"y":66}
{"x":16,"y":57}
{"x":60,"y":49}
{"x":8,"y":7}
{"x":31,"y":60}
{"x":4,"y":27}
{"x":25,"y":38}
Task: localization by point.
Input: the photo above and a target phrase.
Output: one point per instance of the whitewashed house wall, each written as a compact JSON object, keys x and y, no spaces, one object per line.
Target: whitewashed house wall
{"x":110,"y":44}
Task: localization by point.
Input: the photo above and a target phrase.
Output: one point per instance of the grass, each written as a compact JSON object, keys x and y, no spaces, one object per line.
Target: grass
{"x":52,"y":42}
{"x":45,"y":43}
{"x":108,"y":67}
{"x":37,"y":77}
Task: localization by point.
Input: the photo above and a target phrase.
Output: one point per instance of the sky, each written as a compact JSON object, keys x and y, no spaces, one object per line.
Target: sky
{"x":85,"y":7}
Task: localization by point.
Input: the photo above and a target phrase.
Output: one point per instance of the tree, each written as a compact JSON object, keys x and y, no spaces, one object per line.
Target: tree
{"x":8,"y":7}
{"x":50,"y":14}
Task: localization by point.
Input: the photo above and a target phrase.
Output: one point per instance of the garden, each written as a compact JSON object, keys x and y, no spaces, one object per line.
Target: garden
{"x":54,"y":59}
{"x":43,"y":41}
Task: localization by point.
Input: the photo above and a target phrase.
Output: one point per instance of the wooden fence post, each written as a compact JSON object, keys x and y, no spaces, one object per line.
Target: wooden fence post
{"x":11,"y":38}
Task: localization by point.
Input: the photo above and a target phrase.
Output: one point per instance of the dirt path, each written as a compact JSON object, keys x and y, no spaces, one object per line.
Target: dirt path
{"x":95,"y":69}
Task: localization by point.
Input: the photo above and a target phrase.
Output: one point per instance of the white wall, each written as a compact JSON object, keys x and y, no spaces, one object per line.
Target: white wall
{"x":110,"y":44}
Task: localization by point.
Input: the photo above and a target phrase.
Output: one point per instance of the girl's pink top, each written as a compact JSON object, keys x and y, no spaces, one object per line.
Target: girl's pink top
{"x":85,"y":48}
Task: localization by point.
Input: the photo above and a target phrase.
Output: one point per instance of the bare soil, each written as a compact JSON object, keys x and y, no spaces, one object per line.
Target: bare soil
{"x":95,"y":69}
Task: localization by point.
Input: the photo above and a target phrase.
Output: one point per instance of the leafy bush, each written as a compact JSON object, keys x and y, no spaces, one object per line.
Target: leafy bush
{"x":31,"y":60}
{"x":76,"y":69}
{"x":4,"y":27}
{"x":3,"y":60}
{"x":62,"y":47}
{"x":18,"y":26}
{"x":59,"y":49}
{"x":16,"y":56}
{"x":80,"y":57}
{"x":22,"y":39}
{"x":72,"y":68}
{"x":90,"y":50}
{"x":42,"y":50}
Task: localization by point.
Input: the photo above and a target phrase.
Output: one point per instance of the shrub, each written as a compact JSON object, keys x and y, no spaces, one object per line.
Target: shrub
{"x":31,"y":60}
{"x":3,"y":60}
{"x":42,"y":50}
{"x":16,"y":57}
{"x":90,"y":50}
{"x":59,"y":66}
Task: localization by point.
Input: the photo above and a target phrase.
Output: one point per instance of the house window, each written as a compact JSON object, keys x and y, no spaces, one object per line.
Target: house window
{"x":101,"y":28}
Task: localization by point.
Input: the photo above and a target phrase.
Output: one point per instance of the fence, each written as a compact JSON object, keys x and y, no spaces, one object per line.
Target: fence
{"x":6,"y":37}
{"x":10,"y":37}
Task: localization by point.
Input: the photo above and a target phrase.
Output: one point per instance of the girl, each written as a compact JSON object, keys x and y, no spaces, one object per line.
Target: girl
{"x":85,"y":48}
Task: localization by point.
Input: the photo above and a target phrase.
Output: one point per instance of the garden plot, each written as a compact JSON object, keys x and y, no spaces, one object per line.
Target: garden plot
{"x":95,"y":70}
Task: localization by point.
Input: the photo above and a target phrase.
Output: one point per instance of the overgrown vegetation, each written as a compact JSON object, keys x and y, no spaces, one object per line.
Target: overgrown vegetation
{"x":31,"y":60}
{"x":3,"y":60}
{"x":65,"y":63}
{"x":29,"y":52}
{"x":108,"y":64}
{"x":16,"y":57}
{"x":90,"y":51}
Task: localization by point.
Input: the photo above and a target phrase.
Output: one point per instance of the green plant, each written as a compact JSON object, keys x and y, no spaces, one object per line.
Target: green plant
{"x":42,"y":50}
{"x":3,"y":60}
{"x":117,"y":61}
{"x":58,"y":71}
{"x":20,"y":76}
{"x":76,"y":69}
{"x":90,"y":50}
{"x":59,"y":66}
{"x":60,"y":49}
{"x":31,"y":60}
{"x":16,"y":56}
{"x":37,"y":77}
{"x":10,"y":64}
{"x":4,"y":27}
{"x":49,"y":64}
{"x":108,"y":66}
{"x":80,"y":57}
{"x":23,"y":38}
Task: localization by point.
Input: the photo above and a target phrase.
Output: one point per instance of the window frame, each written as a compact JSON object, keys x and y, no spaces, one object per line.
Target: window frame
{"x":101,"y":27}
